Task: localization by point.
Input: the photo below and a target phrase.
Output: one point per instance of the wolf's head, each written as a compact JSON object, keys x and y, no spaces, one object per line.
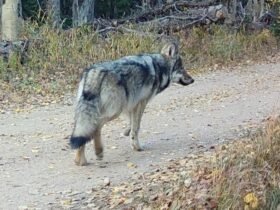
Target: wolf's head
{"x":178,"y":73}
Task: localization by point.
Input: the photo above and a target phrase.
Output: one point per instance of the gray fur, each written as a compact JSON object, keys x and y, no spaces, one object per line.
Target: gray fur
{"x":125,"y":86}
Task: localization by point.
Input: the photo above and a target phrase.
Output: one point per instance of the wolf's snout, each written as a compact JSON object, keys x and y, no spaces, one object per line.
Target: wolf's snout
{"x":191,"y":81}
{"x":186,"y":81}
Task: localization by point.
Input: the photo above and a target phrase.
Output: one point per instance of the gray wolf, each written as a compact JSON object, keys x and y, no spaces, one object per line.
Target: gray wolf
{"x":124,"y":86}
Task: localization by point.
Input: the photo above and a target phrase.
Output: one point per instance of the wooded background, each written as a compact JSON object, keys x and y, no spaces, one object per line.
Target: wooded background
{"x":160,"y":16}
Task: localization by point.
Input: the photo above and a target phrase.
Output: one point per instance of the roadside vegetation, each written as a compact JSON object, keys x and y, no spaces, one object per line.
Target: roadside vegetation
{"x":243,"y":174}
{"x":55,"y":57}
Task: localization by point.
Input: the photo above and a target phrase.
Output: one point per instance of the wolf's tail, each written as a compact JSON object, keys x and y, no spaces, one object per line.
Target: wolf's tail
{"x":86,"y":119}
{"x":87,"y":108}
{"x":78,"y":141}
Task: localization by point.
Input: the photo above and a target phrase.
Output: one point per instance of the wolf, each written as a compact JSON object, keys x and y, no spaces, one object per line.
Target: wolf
{"x":125,"y":85}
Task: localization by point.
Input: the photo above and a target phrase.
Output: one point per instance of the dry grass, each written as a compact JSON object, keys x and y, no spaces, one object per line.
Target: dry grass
{"x":250,"y":166}
{"x":244,"y":174}
{"x":219,"y":46}
{"x":56,"y":58}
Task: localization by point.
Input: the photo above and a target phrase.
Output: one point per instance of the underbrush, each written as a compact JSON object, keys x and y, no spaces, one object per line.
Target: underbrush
{"x":56,"y":58}
{"x":241,"y":175}
{"x":250,"y":172}
{"x":219,"y":46}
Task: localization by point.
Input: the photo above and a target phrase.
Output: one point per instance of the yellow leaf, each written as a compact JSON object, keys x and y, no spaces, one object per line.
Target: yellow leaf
{"x":50,"y":166}
{"x":131,"y":165}
{"x":251,"y":200}
{"x":26,"y":158}
{"x":66,"y":202}
{"x":246,"y":207}
{"x":35,"y":150}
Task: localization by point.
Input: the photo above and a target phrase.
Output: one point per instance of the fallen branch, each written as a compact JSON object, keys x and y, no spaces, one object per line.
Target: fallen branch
{"x":7,"y":48}
{"x":166,"y":10}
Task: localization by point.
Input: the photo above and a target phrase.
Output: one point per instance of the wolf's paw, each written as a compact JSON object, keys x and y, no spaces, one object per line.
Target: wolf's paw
{"x":136,"y":147}
{"x":99,"y":153}
{"x":126,"y":132}
{"x":81,"y":161}
{"x":99,"y":156}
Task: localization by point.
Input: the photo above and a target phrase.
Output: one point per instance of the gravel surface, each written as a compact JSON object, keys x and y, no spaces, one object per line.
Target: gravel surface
{"x":37,"y":166}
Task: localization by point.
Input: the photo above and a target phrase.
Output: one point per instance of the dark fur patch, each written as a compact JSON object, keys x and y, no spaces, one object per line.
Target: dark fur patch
{"x":123,"y":84}
{"x":161,"y":71}
{"x":135,"y":63}
{"x":177,"y":65}
{"x":88,"y":96}
{"x":165,"y":85}
{"x":84,"y":73}
{"x":78,"y":141}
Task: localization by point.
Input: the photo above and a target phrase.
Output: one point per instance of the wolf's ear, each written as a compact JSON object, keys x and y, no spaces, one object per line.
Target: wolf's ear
{"x":170,"y":50}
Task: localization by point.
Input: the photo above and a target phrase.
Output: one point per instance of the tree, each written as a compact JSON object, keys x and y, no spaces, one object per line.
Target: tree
{"x":83,"y":12}
{"x":31,"y":8}
{"x":53,"y":8}
{"x":11,"y":19}
{"x":1,"y":3}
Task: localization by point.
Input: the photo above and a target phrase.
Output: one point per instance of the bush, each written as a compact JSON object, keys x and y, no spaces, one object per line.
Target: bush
{"x":57,"y":57}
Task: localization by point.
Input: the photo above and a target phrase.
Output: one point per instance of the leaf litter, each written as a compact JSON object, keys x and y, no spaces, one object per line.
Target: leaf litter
{"x":191,"y":182}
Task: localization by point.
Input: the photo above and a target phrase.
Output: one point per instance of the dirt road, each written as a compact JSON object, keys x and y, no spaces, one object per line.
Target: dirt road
{"x":36,"y":163}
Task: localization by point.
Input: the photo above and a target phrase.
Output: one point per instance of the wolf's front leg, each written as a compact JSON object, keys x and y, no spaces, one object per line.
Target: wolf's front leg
{"x":136,"y":117}
{"x":127,"y":131}
{"x":80,"y":158}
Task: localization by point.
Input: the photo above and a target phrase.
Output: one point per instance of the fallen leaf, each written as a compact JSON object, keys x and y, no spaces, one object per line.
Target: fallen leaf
{"x":35,"y":150}
{"x":188,"y":182}
{"x":50,"y":166}
{"x":131,"y":165}
{"x":128,"y":201}
{"x":251,"y":200}
{"x":25,"y":158}
{"x":66,"y":202}
{"x":153,"y":197}
{"x":106,"y":181}
{"x":22,"y":207}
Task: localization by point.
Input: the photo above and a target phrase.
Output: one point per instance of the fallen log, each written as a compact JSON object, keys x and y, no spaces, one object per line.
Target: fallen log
{"x":167,"y":9}
{"x":8,"y":48}
{"x":165,"y":24}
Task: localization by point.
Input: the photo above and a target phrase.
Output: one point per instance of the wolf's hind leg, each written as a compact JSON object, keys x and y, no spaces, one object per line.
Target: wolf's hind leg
{"x":98,"y":146}
{"x":128,"y":129}
{"x":82,"y":134}
{"x":136,"y":117}
{"x":80,"y":158}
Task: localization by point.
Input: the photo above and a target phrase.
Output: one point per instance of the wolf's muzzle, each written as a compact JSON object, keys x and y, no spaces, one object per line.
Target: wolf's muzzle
{"x":186,"y":81}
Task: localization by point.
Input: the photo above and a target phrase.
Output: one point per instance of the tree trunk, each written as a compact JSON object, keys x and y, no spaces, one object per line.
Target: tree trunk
{"x":1,"y":3}
{"x":159,"y":3}
{"x":147,"y":4}
{"x":11,"y":19}
{"x":112,"y":9}
{"x":83,"y":12}
{"x":261,"y":8}
{"x":53,"y":7}
{"x":255,"y":10}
